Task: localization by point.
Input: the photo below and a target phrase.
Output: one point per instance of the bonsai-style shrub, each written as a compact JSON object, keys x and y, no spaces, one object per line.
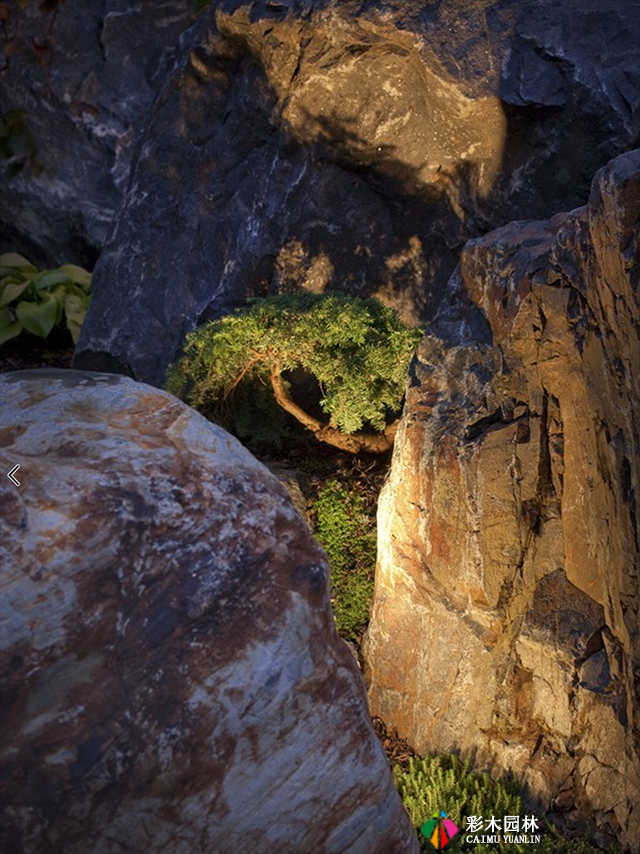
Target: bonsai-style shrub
{"x":357,"y":350}
{"x":39,"y":301}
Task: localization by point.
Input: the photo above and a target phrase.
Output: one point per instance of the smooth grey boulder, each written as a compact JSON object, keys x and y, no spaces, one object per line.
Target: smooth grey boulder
{"x":171,"y":676}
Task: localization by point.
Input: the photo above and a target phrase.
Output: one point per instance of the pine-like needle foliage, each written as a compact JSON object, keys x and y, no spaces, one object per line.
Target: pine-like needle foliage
{"x":448,"y":783}
{"x":357,"y":349}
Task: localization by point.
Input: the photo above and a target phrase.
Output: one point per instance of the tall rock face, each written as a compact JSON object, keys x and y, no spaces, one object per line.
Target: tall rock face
{"x":506,"y":617}
{"x":352,"y":146}
{"x":76,"y":81}
{"x":171,"y":677}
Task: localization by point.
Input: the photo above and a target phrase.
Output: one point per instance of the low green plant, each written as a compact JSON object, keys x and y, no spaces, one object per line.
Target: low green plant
{"x":40,"y":300}
{"x":447,"y":783}
{"x":356,"y":349}
{"x":348,"y":534}
{"x":254,"y":417}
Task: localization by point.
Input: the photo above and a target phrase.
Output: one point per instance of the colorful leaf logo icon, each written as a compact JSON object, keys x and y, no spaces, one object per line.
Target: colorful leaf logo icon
{"x":439,"y":830}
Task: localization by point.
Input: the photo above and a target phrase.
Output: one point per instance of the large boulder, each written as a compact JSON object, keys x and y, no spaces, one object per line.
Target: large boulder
{"x":352,"y":146}
{"x":171,"y":676}
{"x":506,"y":616}
{"x":77,"y":79}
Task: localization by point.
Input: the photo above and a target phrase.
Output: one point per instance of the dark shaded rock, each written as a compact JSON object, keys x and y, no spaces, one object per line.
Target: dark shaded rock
{"x":563,"y":616}
{"x":595,"y":674}
{"x":84,"y":78}
{"x":171,"y":676}
{"x":506,"y":619}
{"x":353,"y":146}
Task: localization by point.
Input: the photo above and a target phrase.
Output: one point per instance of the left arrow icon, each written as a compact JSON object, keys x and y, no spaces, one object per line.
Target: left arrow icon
{"x":11,"y":477}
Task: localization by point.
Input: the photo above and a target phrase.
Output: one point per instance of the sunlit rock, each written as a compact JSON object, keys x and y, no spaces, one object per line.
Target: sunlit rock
{"x":506,"y":616}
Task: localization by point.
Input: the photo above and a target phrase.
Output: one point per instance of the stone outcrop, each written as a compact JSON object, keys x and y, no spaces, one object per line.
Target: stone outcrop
{"x":76,"y":81}
{"x":506,"y":616}
{"x":171,"y":677}
{"x":352,"y":146}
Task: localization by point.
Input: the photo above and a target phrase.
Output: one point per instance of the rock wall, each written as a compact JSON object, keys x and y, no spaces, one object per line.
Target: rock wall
{"x":506,"y":616}
{"x":82,"y":75}
{"x":171,"y":677}
{"x":352,"y":146}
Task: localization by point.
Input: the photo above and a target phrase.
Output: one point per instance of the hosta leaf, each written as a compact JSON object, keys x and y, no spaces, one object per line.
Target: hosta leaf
{"x":12,"y":291}
{"x":12,"y":259}
{"x":19,"y":273}
{"x":9,"y":326}
{"x":75,"y":308}
{"x":59,"y":292}
{"x":77,"y":274}
{"x":38,"y":318}
{"x":51,"y":278}
{"x":74,"y":329}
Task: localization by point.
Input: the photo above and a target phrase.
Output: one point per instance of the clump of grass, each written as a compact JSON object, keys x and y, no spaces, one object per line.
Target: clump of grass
{"x":348,"y":534}
{"x":447,"y":783}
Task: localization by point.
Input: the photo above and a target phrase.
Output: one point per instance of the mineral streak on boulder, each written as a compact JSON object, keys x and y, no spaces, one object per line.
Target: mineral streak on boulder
{"x":352,"y":146}
{"x":171,"y":677}
{"x":506,"y":616}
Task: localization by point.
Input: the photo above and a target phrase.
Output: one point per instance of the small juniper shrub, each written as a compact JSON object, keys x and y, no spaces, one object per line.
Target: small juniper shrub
{"x":357,"y":350}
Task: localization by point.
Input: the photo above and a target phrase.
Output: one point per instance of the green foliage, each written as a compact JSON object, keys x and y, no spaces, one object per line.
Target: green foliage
{"x":348,"y":534}
{"x":254,"y":416}
{"x":38,"y":301}
{"x":357,"y":349}
{"x":447,"y":783}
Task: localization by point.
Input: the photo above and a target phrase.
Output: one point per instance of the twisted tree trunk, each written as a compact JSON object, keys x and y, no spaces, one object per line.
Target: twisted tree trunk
{"x":353,"y":443}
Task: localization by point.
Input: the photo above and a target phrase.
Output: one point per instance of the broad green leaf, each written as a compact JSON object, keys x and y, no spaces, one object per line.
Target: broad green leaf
{"x":75,"y":308}
{"x":74,"y":329}
{"x":38,"y":318}
{"x":9,"y":326}
{"x":12,"y":259}
{"x":50,"y":278}
{"x":77,"y":274}
{"x":10,"y":274}
{"x":18,"y":272}
{"x":11,"y":291}
{"x":59,"y":292}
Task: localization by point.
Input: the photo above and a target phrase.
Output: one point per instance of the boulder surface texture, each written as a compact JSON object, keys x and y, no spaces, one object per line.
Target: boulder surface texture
{"x":171,"y":677}
{"x":352,"y":146}
{"x":77,"y":78}
{"x":506,"y":615}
